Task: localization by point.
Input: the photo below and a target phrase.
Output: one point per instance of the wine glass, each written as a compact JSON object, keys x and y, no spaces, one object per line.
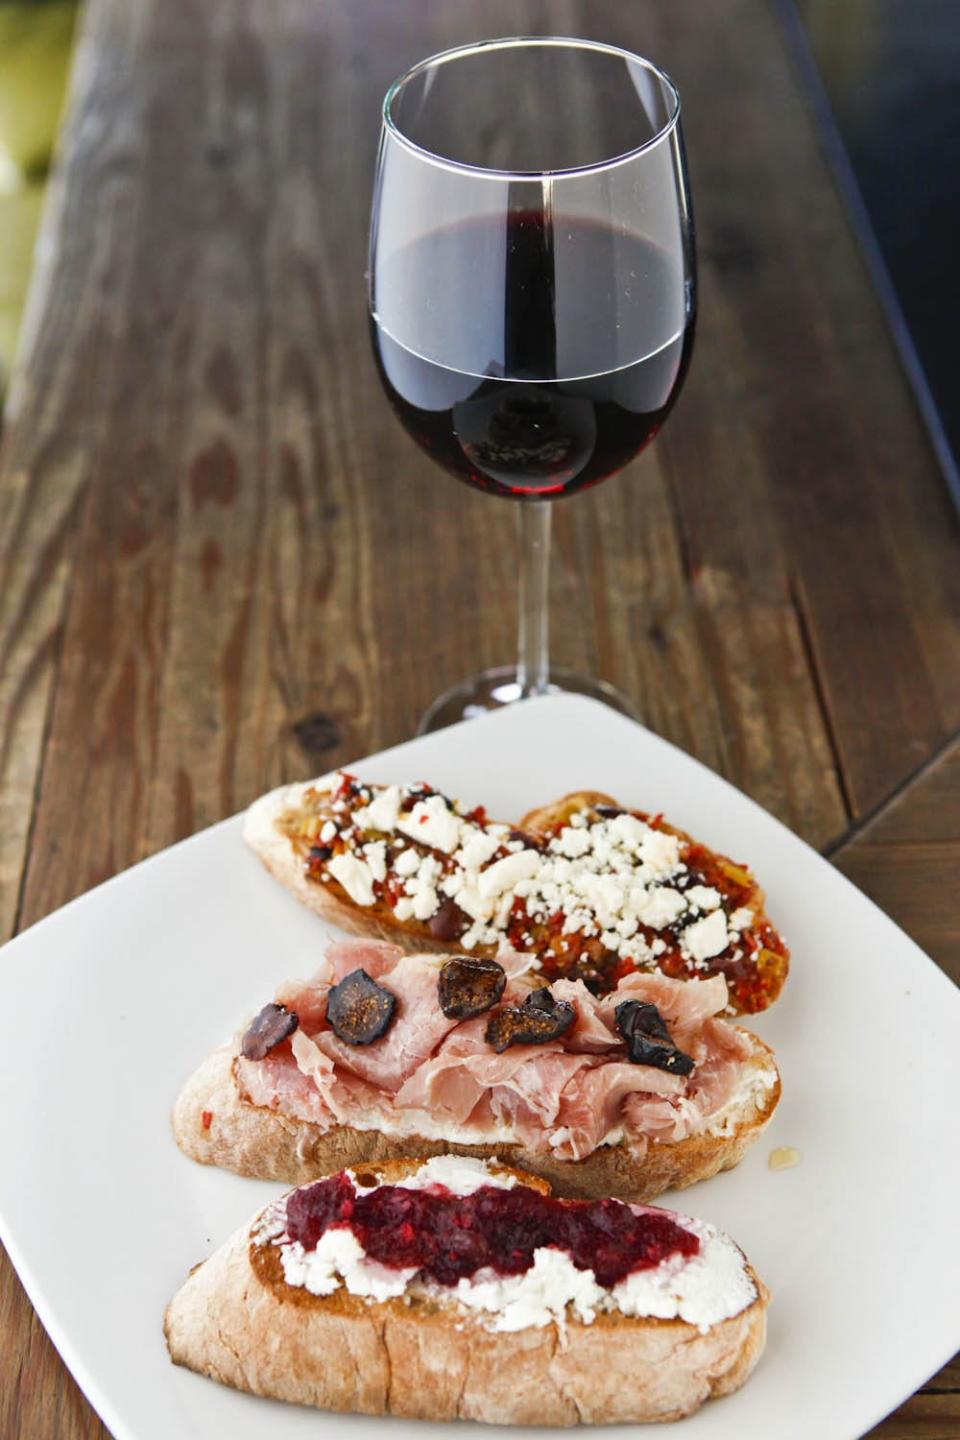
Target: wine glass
{"x":532,"y":289}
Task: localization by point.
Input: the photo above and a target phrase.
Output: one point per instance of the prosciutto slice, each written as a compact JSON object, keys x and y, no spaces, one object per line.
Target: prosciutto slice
{"x":720,"y":1051}
{"x":350,"y":1100}
{"x":592,"y":1031}
{"x":416,"y":1032}
{"x":377,"y":957}
{"x":309,"y":997}
{"x":593,"y":1101}
{"x":278,"y":1084}
{"x":684,"y":1004}
{"x":528,"y":1101}
{"x":566,"y":1096}
{"x":446,"y":1083}
{"x":522,"y":1085}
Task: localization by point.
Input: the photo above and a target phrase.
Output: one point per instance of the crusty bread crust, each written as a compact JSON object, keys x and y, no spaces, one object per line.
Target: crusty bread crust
{"x":214,"y":1125}
{"x":281,"y":859}
{"x":236,"y":1321}
{"x":558,"y":812}
{"x":329,"y":901}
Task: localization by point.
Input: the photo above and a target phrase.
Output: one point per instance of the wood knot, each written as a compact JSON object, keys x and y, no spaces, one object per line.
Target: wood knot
{"x":658,"y":636}
{"x":317,"y":733}
{"x":213,"y":476}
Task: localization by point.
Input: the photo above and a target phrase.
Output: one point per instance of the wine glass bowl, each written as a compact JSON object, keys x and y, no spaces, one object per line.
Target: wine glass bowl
{"x":532,"y":284}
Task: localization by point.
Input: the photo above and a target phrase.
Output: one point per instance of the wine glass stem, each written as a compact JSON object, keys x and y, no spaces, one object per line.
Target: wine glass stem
{"x":533,"y":635}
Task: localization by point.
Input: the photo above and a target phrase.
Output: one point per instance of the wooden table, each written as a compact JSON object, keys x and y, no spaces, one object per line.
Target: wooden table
{"x":222,"y":564}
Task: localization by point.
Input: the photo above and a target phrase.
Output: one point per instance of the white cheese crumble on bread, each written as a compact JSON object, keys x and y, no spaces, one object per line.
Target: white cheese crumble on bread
{"x":588,"y":889}
{"x":355,"y":876}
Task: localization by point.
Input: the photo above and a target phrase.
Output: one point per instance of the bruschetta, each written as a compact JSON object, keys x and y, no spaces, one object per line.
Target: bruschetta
{"x":588,"y":889}
{"x":385,"y":1053}
{"x":460,"y":1289}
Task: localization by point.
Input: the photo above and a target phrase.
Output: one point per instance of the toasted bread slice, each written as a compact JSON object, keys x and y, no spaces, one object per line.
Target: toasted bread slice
{"x":703,"y":915}
{"x":215,"y":1125}
{"x":425,"y":1355}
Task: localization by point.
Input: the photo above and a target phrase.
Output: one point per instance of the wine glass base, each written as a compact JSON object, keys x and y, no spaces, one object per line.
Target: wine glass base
{"x":492,"y":689}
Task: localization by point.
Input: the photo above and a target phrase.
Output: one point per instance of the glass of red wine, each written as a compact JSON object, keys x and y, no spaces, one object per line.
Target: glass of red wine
{"x":532,"y":289}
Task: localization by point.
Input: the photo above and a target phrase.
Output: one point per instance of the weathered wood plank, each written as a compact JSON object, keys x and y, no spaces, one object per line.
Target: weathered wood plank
{"x":925,"y":1417}
{"x":65,"y":361}
{"x":908,"y":859}
{"x":798,"y":429}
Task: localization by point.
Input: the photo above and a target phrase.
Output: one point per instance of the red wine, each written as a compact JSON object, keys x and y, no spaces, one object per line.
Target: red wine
{"x":532,"y":359}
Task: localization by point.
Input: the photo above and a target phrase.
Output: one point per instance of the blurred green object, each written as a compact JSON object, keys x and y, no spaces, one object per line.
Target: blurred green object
{"x":19,"y":219}
{"x":36,"y":38}
{"x":36,"y":41}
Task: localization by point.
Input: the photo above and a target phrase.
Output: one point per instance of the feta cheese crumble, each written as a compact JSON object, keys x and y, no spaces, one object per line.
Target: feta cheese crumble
{"x":354,"y":875}
{"x":614,"y":881}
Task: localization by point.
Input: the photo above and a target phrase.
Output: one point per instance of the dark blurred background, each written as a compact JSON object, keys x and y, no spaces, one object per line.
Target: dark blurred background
{"x":884,"y":76}
{"x":881,"y":75}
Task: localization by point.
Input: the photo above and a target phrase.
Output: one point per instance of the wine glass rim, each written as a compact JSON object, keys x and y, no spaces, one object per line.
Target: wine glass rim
{"x":516,"y":41}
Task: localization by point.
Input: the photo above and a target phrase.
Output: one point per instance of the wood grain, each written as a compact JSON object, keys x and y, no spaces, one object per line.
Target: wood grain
{"x":222,"y":564}
{"x":907,"y":858}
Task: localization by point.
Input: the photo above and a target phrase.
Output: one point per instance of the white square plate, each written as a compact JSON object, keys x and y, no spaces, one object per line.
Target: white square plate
{"x":111,"y":1002}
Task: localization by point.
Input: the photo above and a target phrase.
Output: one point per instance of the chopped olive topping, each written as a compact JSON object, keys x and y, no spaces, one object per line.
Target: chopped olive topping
{"x":538,"y":1019}
{"x":449,"y":922}
{"x":468,"y":986}
{"x":321,"y":852}
{"x":648,"y":1039}
{"x":359,"y":1010}
{"x":420,"y":791}
{"x":609,"y":812}
{"x":273,"y":1024}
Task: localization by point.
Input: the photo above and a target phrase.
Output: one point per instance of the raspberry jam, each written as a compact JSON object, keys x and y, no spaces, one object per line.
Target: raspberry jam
{"x":451,"y":1237}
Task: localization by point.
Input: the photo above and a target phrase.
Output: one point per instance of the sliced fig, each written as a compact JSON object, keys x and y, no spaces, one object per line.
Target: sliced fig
{"x":359,"y":1010}
{"x":469,"y":985}
{"x":648,"y":1039}
{"x":538,"y":1019}
{"x":271,"y":1026}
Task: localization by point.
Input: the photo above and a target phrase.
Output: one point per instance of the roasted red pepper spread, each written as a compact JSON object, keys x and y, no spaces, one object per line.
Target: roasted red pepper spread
{"x":754,"y":960}
{"x":450,"y":1237}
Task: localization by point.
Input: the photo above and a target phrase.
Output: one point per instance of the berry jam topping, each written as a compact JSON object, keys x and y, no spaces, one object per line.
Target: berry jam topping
{"x":469,"y":986}
{"x":450,"y":1237}
{"x":538,"y":1019}
{"x":271,"y":1026}
{"x":359,"y":1010}
{"x":648,"y":1039}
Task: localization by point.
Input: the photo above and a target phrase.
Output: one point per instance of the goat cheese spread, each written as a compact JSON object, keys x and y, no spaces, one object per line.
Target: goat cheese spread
{"x":701,"y":1289}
